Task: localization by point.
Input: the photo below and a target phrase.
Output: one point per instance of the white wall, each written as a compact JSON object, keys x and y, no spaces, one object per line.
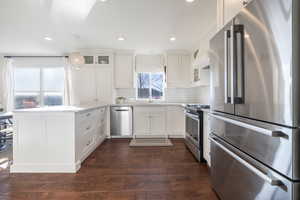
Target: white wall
{"x":203,"y":92}
{"x":1,"y":79}
{"x":179,"y":95}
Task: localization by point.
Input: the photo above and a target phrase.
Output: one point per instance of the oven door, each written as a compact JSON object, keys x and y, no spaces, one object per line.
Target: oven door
{"x":192,"y":128}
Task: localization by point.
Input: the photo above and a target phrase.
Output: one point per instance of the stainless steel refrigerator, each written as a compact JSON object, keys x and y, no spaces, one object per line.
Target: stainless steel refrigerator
{"x":255,"y":87}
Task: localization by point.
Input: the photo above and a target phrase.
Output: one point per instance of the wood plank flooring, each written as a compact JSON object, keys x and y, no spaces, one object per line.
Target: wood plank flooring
{"x":116,"y":171}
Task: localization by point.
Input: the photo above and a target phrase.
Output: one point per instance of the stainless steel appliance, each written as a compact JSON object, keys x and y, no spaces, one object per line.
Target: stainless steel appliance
{"x":194,"y":129}
{"x":121,"y":121}
{"x":255,"y":141}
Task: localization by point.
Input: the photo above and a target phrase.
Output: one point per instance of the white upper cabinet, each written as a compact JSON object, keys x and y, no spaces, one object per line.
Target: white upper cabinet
{"x":84,"y":86}
{"x":123,"y":73}
{"x":93,"y":82}
{"x":104,"y":84}
{"x":232,"y":8}
{"x":178,"y":70}
{"x":97,"y":57}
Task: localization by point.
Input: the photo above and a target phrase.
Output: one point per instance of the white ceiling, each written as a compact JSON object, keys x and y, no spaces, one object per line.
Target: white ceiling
{"x":147,"y":25}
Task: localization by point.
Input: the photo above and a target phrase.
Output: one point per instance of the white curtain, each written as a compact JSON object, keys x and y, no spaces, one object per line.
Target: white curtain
{"x":149,"y":63}
{"x":7,"y":77}
{"x":69,"y":91}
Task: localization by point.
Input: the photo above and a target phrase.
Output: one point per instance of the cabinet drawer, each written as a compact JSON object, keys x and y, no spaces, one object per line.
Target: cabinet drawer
{"x":236,"y":176}
{"x":87,"y":140}
{"x":102,"y":115}
{"x":257,"y":140}
{"x":87,"y":121}
{"x":87,"y":116}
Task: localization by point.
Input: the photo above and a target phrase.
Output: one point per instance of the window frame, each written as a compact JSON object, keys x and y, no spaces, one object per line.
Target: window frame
{"x":150,"y":88}
{"x":41,"y":92}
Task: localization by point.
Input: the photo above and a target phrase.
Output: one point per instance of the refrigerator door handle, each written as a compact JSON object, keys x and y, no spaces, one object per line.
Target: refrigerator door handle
{"x":239,"y":56}
{"x":271,"y":133}
{"x":226,"y":62}
{"x":269,"y":179}
{"x":232,"y":63}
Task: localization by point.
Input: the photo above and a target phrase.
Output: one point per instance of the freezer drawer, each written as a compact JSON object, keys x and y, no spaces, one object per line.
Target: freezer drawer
{"x":275,"y":146}
{"x":121,"y":121}
{"x":236,"y":176}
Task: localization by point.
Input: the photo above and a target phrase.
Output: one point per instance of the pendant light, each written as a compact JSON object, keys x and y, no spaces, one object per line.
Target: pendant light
{"x":76,"y":60}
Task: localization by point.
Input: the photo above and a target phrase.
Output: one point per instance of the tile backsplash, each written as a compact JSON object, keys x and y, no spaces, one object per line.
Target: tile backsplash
{"x":182,"y":95}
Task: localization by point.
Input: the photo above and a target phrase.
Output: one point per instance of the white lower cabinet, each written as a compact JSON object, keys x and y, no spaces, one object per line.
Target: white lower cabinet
{"x":141,"y":121}
{"x":206,"y":142}
{"x":152,"y":121}
{"x":175,"y":121}
{"x":149,"y":121}
{"x":56,"y":141}
{"x":157,"y":121}
{"x":90,"y":131}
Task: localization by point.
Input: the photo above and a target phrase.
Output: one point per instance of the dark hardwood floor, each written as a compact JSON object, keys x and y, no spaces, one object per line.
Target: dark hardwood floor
{"x":116,"y":171}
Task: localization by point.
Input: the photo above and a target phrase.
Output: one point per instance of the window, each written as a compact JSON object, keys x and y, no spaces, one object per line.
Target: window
{"x":150,"y":86}
{"x":36,"y":87}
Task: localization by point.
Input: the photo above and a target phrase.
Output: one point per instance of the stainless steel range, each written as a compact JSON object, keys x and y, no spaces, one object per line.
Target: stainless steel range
{"x":194,"y":129}
{"x":255,"y":137}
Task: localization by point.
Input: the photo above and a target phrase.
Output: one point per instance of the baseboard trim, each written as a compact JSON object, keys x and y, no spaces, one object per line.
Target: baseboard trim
{"x":44,"y":168}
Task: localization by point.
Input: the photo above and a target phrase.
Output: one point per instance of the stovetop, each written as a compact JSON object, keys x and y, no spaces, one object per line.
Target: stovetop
{"x":196,"y":107}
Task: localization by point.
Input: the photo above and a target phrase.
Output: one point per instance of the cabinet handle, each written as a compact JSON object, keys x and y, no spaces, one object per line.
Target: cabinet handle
{"x":245,"y":3}
{"x":88,"y":128}
{"x":89,"y":143}
{"x":87,"y":115}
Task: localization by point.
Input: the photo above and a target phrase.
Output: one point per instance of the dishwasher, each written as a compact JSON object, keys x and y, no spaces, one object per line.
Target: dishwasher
{"x":121,"y":121}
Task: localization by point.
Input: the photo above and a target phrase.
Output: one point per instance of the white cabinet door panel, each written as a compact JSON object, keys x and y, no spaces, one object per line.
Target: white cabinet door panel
{"x":123,"y":71}
{"x":206,"y":142}
{"x":184,"y":69}
{"x":175,"y":121}
{"x":141,"y":121}
{"x":84,"y":85}
{"x":104,"y":84}
{"x":178,"y":71}
{"x":157,"y":123}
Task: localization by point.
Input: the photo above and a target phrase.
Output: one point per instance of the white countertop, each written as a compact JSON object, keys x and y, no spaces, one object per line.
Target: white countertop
{"x":82,"y":108}
{"x":149,"y":104}
{"x":62,"y":108}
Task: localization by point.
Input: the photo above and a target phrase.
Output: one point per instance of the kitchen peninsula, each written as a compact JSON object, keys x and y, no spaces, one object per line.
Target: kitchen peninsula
{"x":56,"y":139}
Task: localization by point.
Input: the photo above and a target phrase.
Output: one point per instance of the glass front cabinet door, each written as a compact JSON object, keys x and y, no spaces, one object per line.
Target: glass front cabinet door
{"x":97,"y":59}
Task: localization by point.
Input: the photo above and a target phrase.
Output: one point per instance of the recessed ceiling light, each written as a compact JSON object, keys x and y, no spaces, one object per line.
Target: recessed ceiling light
{"x":190,"y":1}
{"x":121,"y":38}
{"x":48,"y":38}
{"x":172,"y":39}
{"x":103,"y":0}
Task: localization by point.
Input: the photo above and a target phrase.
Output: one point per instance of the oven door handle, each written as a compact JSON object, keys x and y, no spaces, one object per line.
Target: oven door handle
{"x":268,"y":132}
{"x":271,"y":180}
{"x":195,"y":117}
